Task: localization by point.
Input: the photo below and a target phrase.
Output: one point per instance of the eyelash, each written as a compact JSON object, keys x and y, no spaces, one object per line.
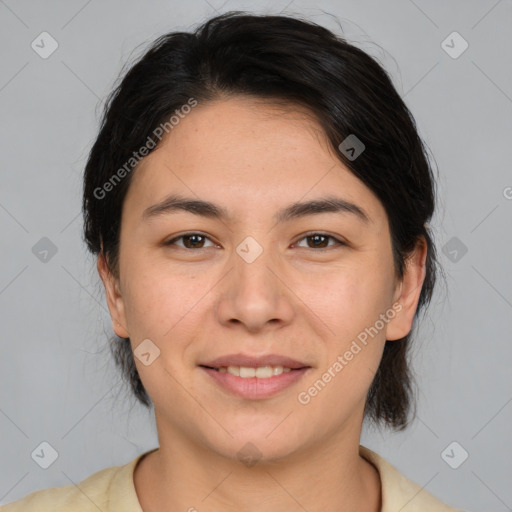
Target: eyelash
{"x":307,"y":235}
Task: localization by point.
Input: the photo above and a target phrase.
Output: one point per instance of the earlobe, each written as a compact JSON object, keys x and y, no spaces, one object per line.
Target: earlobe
{"x":114,"y":298}
{"x":410,"y":290}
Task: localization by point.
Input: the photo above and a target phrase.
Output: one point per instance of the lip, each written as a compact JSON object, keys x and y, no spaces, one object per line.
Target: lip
{"x":255,"y":361}
{"x":253,"y":388}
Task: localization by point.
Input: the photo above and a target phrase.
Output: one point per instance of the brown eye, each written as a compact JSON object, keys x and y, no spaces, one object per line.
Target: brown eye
{"x":320,"y":241}
{"x":190,"y":241}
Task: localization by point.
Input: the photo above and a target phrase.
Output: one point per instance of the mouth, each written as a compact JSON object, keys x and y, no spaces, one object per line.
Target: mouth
{"x":245,"y":363}
{"x":254,"y":378}
{"x":260,"y":372}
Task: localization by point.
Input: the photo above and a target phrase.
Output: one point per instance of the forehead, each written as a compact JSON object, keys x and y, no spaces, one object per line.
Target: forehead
{"x":244,"y":130}
{"x":247,"y":152}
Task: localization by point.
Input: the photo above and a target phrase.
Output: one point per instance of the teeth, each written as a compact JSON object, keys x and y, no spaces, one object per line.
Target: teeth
{"x":262,"y":372}
{"x":246,"y":372}
{"x":233,"y":370}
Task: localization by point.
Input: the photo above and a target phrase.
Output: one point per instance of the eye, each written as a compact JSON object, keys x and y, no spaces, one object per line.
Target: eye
{"x":191,"y":241}
{"x":196,"y":241}
{"x":320,"y":239}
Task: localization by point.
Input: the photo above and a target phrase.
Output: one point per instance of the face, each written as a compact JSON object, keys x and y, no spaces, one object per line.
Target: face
{"x":249,"y":275}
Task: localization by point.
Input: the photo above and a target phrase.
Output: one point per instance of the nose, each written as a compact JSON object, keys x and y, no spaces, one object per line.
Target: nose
{"x":254,"y":294}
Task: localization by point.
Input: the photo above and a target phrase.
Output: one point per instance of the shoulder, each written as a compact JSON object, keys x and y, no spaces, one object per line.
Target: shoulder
{"x":89,"y":494}
{"x":110,"y":489}
{"x":400,"y":493}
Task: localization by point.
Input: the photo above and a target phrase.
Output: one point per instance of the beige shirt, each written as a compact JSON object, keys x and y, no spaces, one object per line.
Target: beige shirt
{"x":112,"y":490}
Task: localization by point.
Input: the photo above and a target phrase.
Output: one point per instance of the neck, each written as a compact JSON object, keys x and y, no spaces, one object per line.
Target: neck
{"x":330,"y":477}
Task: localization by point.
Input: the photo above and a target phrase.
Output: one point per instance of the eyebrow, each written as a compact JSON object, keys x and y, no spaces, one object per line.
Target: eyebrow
{"x":330,"y":204}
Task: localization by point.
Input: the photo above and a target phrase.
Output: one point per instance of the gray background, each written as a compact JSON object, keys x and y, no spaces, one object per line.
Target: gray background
{"x":58,"y":383}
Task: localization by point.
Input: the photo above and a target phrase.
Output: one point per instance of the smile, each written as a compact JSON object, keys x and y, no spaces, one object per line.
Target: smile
{"x":261,"y":372}
{"x":254,"y":383}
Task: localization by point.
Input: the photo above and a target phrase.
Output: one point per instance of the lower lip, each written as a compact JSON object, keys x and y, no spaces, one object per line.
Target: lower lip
{"x":254,"y":388}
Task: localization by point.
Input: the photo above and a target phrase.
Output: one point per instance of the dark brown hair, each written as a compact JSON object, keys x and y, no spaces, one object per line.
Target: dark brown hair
{"x":286,"y":59}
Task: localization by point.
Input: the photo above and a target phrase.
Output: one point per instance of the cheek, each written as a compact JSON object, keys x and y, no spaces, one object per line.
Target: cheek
{"x":154,"y":301}
{"x":350,"y":305}
{"x":167,"y":307}
{"x":348,"y":300}
{"x":157,"y":309}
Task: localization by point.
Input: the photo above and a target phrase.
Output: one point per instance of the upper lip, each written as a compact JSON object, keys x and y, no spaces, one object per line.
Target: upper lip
{"x":254,"y":361}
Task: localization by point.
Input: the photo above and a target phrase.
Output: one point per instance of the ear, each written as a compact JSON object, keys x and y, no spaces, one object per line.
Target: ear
{"x":408,"y":293}
{"x":114,"y":299}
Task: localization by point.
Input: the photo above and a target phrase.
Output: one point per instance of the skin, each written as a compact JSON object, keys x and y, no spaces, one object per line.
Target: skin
{"x":295,"y":299}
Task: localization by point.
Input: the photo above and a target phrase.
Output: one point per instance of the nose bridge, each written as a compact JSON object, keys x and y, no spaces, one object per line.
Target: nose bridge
{"x":255,"y":295}
{"x":252,"y":278}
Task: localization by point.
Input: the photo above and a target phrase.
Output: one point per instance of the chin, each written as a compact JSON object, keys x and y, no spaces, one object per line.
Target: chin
{"x":250,"y":451}
{"x":266,"y":440}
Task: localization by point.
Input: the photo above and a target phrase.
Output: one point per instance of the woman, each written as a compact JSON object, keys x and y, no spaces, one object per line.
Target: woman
{"x":258,"y":198}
